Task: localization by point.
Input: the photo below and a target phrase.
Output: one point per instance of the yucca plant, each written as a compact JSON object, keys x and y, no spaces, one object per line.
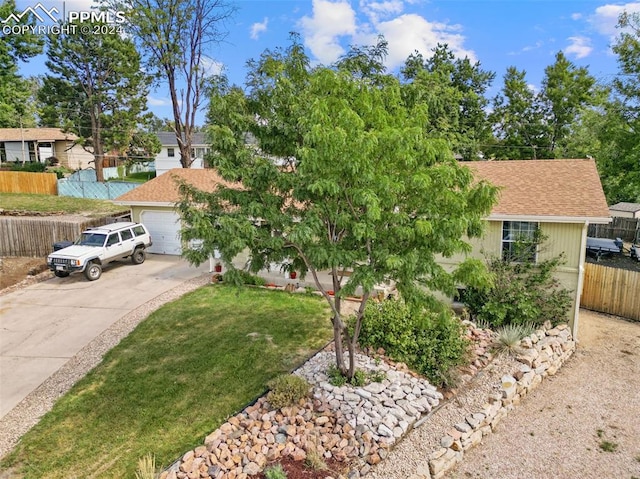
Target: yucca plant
{"x":509,"y":336}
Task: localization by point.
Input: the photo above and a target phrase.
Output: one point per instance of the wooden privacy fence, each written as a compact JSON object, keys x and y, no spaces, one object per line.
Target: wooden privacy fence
{"x":624,"y":228}
{"x":611,"y":290}
{"x":26,"y":182}
{"x":35,"y":236}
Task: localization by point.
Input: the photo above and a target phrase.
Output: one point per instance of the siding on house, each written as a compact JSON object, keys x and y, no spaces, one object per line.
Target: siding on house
{"x":164,"y":162}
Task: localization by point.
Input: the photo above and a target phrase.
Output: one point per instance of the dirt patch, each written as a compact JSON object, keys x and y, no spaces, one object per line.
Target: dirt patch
{"x":17,"y":271}
{"x":617,"y":261}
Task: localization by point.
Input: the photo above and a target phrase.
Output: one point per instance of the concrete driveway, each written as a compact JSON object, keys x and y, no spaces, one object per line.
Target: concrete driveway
{"x":44,"y":325}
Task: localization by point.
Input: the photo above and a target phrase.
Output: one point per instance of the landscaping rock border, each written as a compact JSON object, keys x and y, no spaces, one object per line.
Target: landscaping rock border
{"x":360,"y":425}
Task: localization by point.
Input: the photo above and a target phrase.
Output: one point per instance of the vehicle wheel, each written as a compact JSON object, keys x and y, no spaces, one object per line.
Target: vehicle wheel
{"x":138,"y":256}
{"x":93,"y":271}
{"x":61,"y":274}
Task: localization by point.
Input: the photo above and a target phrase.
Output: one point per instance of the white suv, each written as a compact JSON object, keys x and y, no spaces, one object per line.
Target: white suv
{"x":99,"y":246}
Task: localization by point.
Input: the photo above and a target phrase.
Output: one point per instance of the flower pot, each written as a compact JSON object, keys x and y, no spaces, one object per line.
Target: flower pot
{"x":218,"y":268}
{"x":293,"y":275}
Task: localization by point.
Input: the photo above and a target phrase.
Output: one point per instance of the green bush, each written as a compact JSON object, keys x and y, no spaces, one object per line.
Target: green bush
{"x":522,"y":293}
{"x":287,"y":390}
{"x":431,"y":343}
{"x":232,"y":276}
{"x":275,"y":472}
{"x":29,"y":166}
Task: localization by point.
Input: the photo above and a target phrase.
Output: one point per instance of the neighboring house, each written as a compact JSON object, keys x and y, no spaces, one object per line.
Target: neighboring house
{"x":38,"y":144}
{"x":153,"y":204}
{"x":561,"y":197}
{"x":169,"y":156}
{"x":625,"y":210}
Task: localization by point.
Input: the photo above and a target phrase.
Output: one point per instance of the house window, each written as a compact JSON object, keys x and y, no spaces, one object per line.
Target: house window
{"x":171,"y":152}
{"x":519,"y":241}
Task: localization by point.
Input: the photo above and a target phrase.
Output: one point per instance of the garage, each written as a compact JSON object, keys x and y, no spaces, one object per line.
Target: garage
{"x":164,"y":227}
{"x":154,"y":204}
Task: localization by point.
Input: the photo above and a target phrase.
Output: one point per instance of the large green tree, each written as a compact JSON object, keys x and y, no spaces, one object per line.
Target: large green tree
{"x":176,"y":39}
{"x":567,"y":91}
{"x":339,"y":175}
{"x":96,"y":89}
{"x":619,"y":159}
{"x":16,"y":92}
{"x":454,"y":89}
{"x":518,"y":121}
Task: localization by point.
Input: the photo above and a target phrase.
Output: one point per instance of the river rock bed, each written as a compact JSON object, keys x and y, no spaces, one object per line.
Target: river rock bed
{"x":356,"y":426}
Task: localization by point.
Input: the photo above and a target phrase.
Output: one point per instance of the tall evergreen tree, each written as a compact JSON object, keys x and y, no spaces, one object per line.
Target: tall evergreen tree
{"x":16,"y":105}
{"x":95,"y":89}
{"x":455,"y":91}
{"x":567,"y":91}
{"x":518,"y":121}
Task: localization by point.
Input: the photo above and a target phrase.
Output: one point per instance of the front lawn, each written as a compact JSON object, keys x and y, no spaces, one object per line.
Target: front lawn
{"x":57,"y":204}
{"x":173,"y":380}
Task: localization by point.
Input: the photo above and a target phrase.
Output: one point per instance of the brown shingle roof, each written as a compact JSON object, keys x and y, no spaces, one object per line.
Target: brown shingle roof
{"x":35,"y":134}
{"x":556,"y":188}
{"x":164,"y":188}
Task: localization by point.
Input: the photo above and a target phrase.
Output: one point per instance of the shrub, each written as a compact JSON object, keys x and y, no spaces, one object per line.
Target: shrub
{"x":244,"y":277}
{"x":287,"y":390}
{"x":336,"y":378}
{"x":522,"y":293}
{"x":431,"y":343}
{"x":275,"y":472}
{"x":30,"y":166}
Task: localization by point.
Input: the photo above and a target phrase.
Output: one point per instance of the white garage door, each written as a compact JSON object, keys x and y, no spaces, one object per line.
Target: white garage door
{"x":164,"y":227}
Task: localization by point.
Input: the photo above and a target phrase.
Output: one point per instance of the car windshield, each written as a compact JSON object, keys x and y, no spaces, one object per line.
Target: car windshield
{"x":91,"y":239}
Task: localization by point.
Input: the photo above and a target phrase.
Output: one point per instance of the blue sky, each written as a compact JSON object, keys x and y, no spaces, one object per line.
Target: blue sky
{"x":498,"y":33}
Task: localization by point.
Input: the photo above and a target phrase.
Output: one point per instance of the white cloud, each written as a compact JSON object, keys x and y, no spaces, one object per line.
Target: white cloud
{"x":605,"y":17}
{"x":331,"y":20}
{"x":334,"y":23}
{"x":210,"y":66}
{"x":153,"y":101}
{"x":580,"y":47}
{"x":576,"y":16}
{"x":258,"y":28}
{"x":378,"y":10}
{"x":410,"y":32}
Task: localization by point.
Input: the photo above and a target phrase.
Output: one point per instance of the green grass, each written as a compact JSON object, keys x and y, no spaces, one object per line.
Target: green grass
{"x":139,"y":177}
{"x":57,"y":204}
{"x":172,"y":381}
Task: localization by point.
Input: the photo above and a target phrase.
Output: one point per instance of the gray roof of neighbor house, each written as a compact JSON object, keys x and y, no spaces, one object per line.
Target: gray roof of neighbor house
{"x":168,"y":138}
{"x":628,"y":207}
{"x":546,"y":190}
{"x":35,"y":134}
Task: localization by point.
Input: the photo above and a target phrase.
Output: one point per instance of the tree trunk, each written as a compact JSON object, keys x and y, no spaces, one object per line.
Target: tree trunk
{"x":182,"y":131}
{"x":96,"y":139}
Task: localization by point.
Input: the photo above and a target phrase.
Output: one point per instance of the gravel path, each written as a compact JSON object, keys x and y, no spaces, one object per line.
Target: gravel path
{"x":559,"y":429}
